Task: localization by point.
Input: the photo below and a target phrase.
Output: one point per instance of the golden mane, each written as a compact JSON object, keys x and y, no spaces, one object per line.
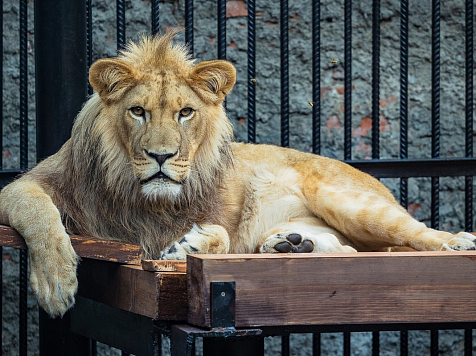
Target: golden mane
{"x":106,"y":197}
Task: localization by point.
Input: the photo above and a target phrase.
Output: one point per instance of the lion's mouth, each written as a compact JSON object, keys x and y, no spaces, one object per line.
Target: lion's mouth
{"x":158,"y":175}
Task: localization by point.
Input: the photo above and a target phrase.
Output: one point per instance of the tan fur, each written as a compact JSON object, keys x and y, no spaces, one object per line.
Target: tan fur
{"x":176,"y":184}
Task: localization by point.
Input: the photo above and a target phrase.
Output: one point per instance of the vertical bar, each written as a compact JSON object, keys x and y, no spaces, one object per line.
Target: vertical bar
{"x":121,"y":24}
{"x":1,"y":111}
{"x":404,"y":343}
{"x":155,"y":16}
{"x":468,"y":337}
{"x":469,"y":111}
{"x":316,"y":344}
{"x":375,"y":343}
{"x":347,"y":79}
{"x":221,"y":18}
{"x":285,"y":345}
{"x":284,"y":75}
{"x":23,"y":165}
{"x":316,"y":76}
{"x":346,"y":343}
{"x":251,"y":72}
{"x":375,"y":79}
{"x":434,"y":343}
{"x":435,"y":109}
{"x":89,"y":41}
{"x":1,"y":167}
{"x":468,"y":342}
{"x":189,"y":25}
{"x":404,"y":121}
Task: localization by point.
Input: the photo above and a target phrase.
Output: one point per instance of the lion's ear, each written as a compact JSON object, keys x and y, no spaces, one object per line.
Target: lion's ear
{"x":111,"y":78}
{"x":213,"y":80}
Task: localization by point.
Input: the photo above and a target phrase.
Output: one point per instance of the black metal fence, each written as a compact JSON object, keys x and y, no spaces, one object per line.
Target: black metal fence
{"x":61,"y":88}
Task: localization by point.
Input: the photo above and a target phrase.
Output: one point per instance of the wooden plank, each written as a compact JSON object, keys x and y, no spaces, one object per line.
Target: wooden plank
{"x":161,"y":296}
{"x":86,"y":247}
{"x":164,"y":266}
{"x":319,"y":289}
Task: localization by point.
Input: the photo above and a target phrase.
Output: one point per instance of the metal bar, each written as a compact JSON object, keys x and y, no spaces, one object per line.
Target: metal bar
{"x":375,"y":79}
{"x":89,"y":41}
{"x":189,"y":25}
{"x":316,"y":344}
{"x":435,"y":110}
{"x":60,"y":87}
{"x":316,"y":76}
{"x":346,"y":351}
{"x":434,"y":343}
{"x":468,"y":342}
{"x":1,"y":106}
{"x":1,"y":299}
{"x":121,"y":24}
{"x":347,"y":79}
{"x":404,"y":343}
{"x":221,"y":18}
{"x":23,"y":318}
{"x":251,"y":72}
{"x":155,"y":16}
{"x":469,"y":112}
{"x":284,"y":74}
{"x":1,"y":167}
{"x":395,"y":168}
{"x":375,"y":343}
{"x":285,"y":345}
{"x":404,"y":101}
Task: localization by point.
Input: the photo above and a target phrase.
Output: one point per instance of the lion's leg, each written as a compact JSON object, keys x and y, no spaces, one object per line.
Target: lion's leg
{"x":205,"y":238}
{"x":303,"y":236}
{"x":26,"y":207}
{"x":372,"y":221}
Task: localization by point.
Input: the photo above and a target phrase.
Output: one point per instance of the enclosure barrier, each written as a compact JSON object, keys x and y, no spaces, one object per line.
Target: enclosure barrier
{"x":56,"y":23}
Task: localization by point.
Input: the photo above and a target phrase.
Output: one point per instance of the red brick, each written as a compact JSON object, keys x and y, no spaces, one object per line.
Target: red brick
{"x":236,"y":8}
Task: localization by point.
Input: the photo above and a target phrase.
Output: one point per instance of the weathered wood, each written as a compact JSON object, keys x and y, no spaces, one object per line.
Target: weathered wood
{"x":319,"y":289}
{"x":87,"y":247}
{"x":164,"y":266}
{"x":161,"y":296}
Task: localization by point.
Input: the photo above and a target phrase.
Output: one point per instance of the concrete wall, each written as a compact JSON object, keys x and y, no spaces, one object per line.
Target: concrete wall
{"x":268,"y":107}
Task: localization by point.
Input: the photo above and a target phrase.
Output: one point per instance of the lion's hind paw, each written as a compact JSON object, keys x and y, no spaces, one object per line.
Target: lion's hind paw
{"x":461,"y":242}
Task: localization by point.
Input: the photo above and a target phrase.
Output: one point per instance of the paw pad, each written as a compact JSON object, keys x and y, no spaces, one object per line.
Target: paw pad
{"x":294,"y":244}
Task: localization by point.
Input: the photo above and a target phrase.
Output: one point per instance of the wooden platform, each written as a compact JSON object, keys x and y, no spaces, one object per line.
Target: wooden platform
{"x":334,"y":289}
{"x":280,"y":290}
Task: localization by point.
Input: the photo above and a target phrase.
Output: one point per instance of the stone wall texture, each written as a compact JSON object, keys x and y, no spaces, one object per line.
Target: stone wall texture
{"x":268,"y":109}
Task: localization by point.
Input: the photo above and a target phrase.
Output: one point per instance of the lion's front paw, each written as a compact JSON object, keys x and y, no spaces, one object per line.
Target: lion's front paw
{"x":206,"y":238}
{"x":53,"y":277}
{"x":461,"y":242}
{"x":287,"y":243}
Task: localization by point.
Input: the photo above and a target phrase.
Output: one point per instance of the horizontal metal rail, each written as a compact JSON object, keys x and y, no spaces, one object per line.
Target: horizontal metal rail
{"x":411,"y":168}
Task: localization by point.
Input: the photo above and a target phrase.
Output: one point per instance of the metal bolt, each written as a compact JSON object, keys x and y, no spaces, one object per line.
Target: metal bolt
{"x":222,"y":294}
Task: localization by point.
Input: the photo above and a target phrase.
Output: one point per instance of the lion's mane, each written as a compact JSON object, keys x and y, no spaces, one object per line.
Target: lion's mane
{"x":96,"y":189}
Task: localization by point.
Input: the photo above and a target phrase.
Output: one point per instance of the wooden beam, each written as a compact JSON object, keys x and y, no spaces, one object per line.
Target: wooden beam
{"x":164,"y":266}
{"x":320,"y":289}
{"x":160,"y":296}
{"x":86,"y":247}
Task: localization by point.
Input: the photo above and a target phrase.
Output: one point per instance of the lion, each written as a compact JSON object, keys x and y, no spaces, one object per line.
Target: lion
{"x":151,"y":161}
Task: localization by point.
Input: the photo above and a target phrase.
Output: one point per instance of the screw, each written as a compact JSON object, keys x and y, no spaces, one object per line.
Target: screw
{"x":223,"y":294}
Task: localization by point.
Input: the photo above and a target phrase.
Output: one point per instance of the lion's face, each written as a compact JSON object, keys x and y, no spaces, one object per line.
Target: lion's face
{"x":169,"y":118}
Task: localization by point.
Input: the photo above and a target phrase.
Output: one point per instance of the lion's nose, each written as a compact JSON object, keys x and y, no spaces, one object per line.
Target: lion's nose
{"x":160,"y":157}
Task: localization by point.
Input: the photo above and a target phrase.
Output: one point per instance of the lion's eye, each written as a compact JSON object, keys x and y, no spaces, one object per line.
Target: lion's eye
{"x":186,"y":112}
{"x":137,"y":111}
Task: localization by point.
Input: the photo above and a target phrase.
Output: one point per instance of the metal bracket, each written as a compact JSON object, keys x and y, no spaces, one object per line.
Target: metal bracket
{"x":222,"y":304}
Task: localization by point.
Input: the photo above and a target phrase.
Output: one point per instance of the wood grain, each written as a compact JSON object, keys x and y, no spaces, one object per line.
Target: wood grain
{"x":318,"y":289}
{"x":164,"y":266}
{"x":87,"y":247}
{"x":160,"y":296}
